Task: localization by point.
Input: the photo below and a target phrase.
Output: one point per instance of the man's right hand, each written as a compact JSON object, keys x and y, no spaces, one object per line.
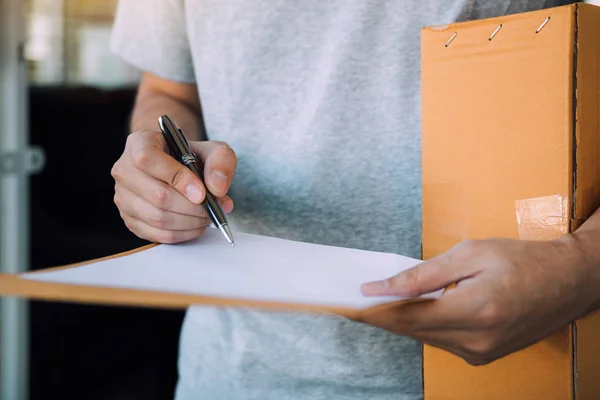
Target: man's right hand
{"x":159,"y":198}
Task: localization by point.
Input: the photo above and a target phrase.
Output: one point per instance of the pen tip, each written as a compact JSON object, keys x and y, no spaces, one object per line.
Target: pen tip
{"x":228,"y":235}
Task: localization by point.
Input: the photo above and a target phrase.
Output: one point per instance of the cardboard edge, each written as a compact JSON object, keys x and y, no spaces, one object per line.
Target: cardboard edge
{"x":15,"y":286}
{"x":91,"y":261}
{"x":586,"y":348}
{"x":574,"y":112}
{"x":494,"y":20}
{"x":574,"y":178}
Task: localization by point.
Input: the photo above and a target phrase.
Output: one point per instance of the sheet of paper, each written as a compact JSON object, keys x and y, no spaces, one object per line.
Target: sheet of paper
{"x":257,"y":268}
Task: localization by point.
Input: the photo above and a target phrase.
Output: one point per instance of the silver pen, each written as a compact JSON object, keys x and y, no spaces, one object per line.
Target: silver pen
{"x":181,"y":150}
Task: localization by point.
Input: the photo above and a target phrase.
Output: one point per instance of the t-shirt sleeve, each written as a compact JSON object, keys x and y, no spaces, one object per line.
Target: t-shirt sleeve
{"x":152,"y":36}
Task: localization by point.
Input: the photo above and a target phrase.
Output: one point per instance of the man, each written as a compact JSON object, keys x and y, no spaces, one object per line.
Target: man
{"x":315,"y":106}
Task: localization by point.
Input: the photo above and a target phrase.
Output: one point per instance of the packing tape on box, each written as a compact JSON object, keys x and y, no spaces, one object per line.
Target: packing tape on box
{"x":543,"y":218}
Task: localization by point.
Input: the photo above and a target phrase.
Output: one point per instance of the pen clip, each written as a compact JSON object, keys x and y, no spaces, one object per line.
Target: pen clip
{"x":174,"y":135}
{"x":179,"y":147}
{"x":183,"y":138}
{"x":190,"y":157}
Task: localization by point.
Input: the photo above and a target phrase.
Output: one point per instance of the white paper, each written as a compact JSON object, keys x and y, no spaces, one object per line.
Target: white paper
{"x":258,"y":268}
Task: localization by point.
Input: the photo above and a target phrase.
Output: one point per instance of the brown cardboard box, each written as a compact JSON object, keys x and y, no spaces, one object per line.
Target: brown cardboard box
{"x":511,"y":148}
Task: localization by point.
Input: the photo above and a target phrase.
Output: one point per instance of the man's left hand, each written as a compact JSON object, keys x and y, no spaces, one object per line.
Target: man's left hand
{"x":509,"y":294}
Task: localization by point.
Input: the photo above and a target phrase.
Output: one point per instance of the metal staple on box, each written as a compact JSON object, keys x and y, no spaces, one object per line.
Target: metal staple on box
{"x":495,"y":32}
{"x":542,"y":25}
{"x":451,"y":39}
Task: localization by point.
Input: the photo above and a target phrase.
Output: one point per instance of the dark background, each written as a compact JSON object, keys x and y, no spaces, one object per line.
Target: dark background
{"x":89,"y":352}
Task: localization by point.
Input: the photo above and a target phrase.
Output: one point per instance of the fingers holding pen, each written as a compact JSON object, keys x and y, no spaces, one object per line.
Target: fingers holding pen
{"x":220,"y":162}
{"x":160,"y":199}
{"x":150,"y":233}
{"x":141,"y":209}
{"x":164,"y":197}
{"x":150,"y":158}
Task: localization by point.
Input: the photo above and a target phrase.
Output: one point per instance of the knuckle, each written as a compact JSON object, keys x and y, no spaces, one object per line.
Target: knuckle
{"x":132,"y":137}
{"x":128,"y":223}
{"x":219,"y":144}
{"x":466,"y":250}
{"x":161,"y":197}
{"x":490,"y":316}
{"x":167,"y":237}
{"x":481,"y":348}
{"x":224,"y":147}
{"x":159,"y":220}
{"x":117,"y":200}
{"x":411,"y":278}
{"x":231,"y":154}
{"x":178,"y":177}
{"x":141,"y":160}
{"x":224,"y":150}
{"x":115,"y":171}
{"x":467,"y":247}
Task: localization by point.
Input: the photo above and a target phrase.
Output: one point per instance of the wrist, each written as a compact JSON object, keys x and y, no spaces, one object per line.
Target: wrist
{"x":580,"y":251}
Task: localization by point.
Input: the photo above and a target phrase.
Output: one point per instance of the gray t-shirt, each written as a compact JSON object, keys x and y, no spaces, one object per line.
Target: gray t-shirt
{"x":321,"y":102}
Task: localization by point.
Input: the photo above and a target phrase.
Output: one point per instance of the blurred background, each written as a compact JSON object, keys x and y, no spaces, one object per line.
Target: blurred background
{"x":84,"y":351}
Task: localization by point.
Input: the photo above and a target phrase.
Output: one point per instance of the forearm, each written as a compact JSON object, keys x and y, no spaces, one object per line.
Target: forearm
{"x":150,"y":106}
{"x":157,"y":96}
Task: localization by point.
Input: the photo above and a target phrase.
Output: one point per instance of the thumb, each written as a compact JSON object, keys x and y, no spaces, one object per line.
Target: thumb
{"x":429,"y":276}
{"x":219,"y":161}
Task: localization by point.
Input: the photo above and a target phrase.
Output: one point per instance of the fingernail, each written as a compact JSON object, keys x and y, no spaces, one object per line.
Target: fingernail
{"x":218,"y":179}
{"x":194,"y":193}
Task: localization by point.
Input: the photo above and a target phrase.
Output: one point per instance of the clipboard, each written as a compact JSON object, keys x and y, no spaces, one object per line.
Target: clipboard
{"x":14,"y":285}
